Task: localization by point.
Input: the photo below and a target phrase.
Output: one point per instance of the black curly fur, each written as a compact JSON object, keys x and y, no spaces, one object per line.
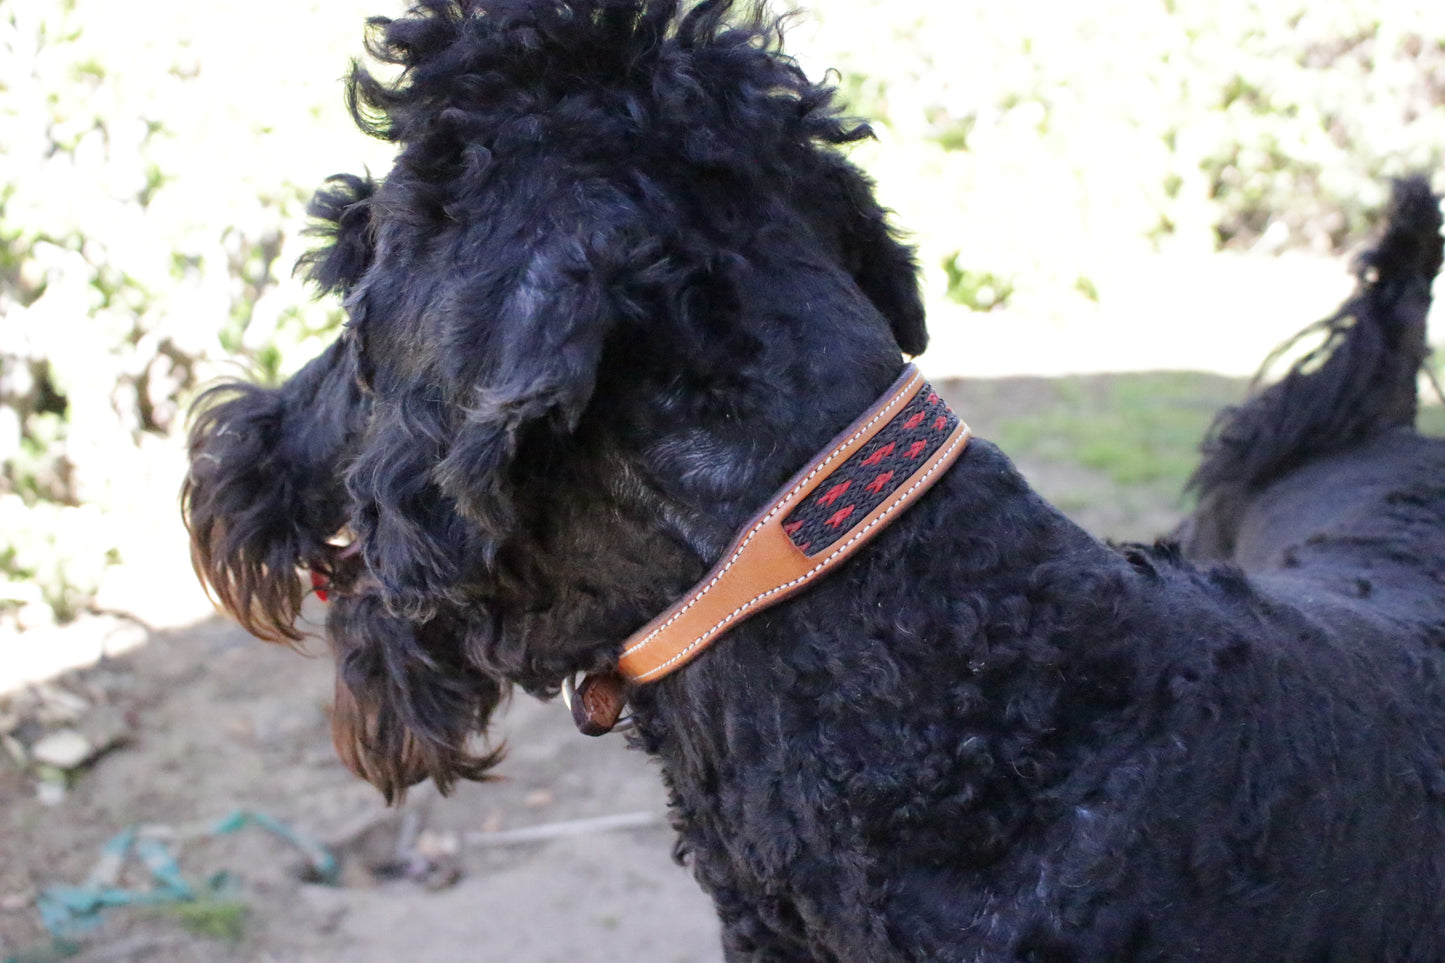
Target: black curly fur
{"x":620,"y":284}
{"x":1357,"y":382}
{"x":342,"y":219}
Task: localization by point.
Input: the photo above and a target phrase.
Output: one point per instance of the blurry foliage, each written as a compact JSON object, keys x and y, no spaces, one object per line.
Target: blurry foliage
{"x":1028,"y":142}
{"x":153,"y":176}
{"x":154,"y":168}
{"x":975,"y":290}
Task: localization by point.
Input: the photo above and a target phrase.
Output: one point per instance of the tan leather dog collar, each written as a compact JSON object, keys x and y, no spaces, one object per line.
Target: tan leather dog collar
{"x":866,"y":476}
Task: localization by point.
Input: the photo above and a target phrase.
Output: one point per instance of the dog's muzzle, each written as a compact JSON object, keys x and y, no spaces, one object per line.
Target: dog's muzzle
{"x":862,"y":481}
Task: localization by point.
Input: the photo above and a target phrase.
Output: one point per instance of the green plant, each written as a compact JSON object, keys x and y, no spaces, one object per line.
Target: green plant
{"x":217,"y":919}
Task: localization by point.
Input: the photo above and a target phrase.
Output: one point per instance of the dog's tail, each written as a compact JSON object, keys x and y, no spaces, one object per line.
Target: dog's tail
{"x":1360,"y":381}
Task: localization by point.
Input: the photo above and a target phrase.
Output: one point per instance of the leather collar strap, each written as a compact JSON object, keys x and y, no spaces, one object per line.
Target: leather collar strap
{"x":867,"y":475}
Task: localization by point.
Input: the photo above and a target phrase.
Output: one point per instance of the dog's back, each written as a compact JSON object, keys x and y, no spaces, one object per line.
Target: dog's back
{"x":1320,"y":537}
{"x":1325,"y":463}
{"x":1319,"y":486}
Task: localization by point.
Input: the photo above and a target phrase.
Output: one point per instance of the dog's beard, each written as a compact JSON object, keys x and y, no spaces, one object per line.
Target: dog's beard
{"x":409,"y":702}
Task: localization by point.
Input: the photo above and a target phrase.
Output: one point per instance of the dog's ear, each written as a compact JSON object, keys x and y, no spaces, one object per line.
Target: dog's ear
{"x":884,"y":268}
{"x":507,"y":362}
{"x":544,"y":377}
{"x":264,"y":492}
{"x":408,"y":701}
{"x":341,"y":213}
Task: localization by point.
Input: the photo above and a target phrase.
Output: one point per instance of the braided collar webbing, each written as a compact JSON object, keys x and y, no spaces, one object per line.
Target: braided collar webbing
{"x":861,"y":481}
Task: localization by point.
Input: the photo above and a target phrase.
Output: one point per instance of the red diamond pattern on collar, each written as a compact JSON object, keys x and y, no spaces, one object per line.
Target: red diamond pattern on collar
{"x":872,"y":474}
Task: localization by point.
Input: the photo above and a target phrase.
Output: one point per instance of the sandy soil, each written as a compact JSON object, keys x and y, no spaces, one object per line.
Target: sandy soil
{"x":218,"y":722}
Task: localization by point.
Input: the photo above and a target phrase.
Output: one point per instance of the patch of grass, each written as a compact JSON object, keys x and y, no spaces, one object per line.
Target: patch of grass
{"x":1432,"y":419}
{"x":1112,"y":451}
{"x":1135,"y":429}
{"x":217,"y":919}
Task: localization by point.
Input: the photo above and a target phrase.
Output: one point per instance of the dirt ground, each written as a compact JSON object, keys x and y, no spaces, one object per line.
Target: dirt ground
{"x":217,"y":722}
{"x":566,"y":857}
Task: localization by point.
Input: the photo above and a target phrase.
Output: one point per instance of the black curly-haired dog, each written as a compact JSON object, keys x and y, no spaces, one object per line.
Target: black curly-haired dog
{"x":620,"y":284}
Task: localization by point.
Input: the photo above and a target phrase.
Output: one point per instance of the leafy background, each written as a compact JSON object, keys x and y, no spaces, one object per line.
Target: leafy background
{"x":155,"y":161}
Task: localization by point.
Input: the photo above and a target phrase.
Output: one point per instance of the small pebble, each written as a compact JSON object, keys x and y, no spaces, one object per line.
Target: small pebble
{"x":63,"y":749}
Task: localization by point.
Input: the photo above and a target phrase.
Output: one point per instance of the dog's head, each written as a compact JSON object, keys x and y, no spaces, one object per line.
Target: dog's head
{"x":597,"y":311}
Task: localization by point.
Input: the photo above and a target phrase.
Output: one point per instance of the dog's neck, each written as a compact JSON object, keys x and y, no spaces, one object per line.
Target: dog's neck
{"x":862,"y":481}
{"x":888,"y":681}
{"x":962,"y":544}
